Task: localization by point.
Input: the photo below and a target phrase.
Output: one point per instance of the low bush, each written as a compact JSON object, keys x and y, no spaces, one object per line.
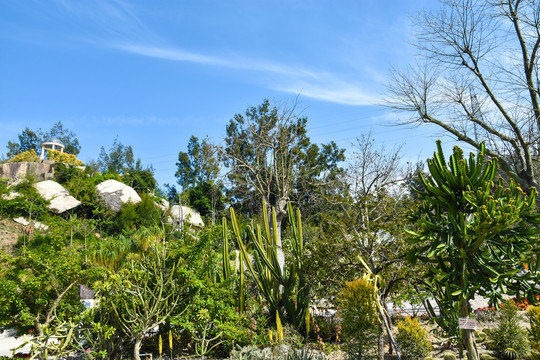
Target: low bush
{"x":134,"y":216}
{"x":63,"y":157}
{"x":29,"y":204}
{"x":412,"y":339}
{"x":29,"y":156}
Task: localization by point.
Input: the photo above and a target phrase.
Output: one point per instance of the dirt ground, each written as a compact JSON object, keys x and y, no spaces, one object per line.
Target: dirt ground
{"x":9,"y":233}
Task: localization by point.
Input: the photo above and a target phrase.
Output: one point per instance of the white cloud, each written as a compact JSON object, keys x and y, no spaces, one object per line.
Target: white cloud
{"x":129,"y":34}
{"x":337,"y":93}
{"x":313,"y":84}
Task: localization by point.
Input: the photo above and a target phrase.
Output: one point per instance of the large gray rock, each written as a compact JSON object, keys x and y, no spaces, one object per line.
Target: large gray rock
{"x":114,"y":194}
{"x":59,"y":197}
{"x":186,"y":214}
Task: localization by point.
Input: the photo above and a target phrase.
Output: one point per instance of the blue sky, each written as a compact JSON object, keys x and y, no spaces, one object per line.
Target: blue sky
{"x":156,"y":72}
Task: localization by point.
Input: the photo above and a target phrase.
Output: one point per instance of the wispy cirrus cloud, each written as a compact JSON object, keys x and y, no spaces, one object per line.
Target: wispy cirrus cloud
{"x":296,"y":80}
{"x":128,"y":33}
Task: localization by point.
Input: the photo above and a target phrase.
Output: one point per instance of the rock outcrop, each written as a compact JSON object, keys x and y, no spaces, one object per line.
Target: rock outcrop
{"x":185,"y":214}
{"x":59,"y":197}
{"x":114,"y":194}
{"x":17,"y":170}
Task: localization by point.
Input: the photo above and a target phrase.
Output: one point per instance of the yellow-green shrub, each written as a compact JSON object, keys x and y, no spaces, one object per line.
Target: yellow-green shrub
{"x":412,"y":339}
{"x":533,"y":314}
{"x":63,"y":157}
{"x":29,"y":156}
{"x":359,"y":318}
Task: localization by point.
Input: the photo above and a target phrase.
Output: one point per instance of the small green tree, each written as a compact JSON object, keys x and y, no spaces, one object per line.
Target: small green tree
{"x":473,"y":233}
{"x":509,"y":333}
{"x":28,"y":140}
{"x":360,"y":318}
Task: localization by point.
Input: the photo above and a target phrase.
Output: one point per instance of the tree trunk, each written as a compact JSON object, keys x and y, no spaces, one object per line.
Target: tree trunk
{"x":389,"y":321}
{"x":137,"y":348}
{"x":380,"y":352}
{"x":389,"y":331}
{"x":280,"y":253}
{"x":467,"y":336}
{"x":37,"y":325}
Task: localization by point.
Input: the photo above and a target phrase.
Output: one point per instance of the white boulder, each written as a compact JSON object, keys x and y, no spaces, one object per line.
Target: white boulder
{"x":185,"y":214}
{"x":115,"y":194}
{"x":35,"y":224}
{"x":163,"y":205}
{"x":59,"y":197}
{"x":12,"y":195}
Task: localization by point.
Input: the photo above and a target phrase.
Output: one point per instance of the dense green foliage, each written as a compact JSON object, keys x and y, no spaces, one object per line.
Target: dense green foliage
{"x":31,"y":140}
{"x":39,"y":287}
{"x":253,"y":280}
{"x":27,"y":203}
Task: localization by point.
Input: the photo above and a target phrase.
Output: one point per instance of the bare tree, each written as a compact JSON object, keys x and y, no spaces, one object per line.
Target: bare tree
{"x":477,"y":78}
{"x":369,"y":226}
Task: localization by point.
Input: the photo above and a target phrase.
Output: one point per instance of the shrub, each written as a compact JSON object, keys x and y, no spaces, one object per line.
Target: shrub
{"x":140,"y":180}
{"x":533,"y":314}
{"x":63,"y":173}
{"x":134,"y":216}
{"x":412,"y":339}
{"x":360,"y":321}
{"x":29,"y":156}
{"x":63,"y":157}
{"x":509,"y":333}
{"x":29,"y":204}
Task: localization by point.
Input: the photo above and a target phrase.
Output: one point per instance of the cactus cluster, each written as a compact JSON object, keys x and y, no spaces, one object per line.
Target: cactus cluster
{"x":284,"y":289}
{"x":510,"y":354}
